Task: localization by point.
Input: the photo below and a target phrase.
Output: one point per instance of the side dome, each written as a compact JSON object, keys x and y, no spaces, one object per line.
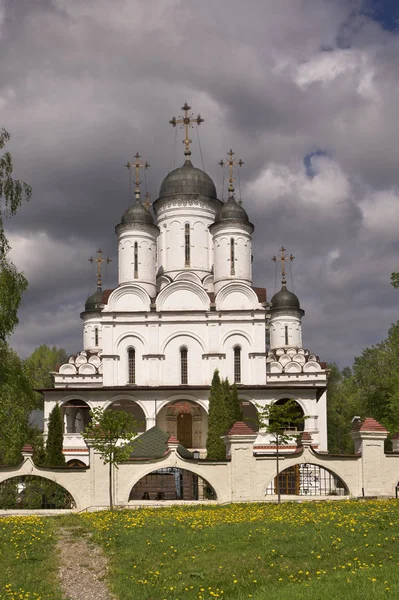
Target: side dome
{"x":187,"y":180}
{"x":232,"y":210}
{"x":94,"y":302}
{"x":285,"y":300}
{"x":137,"y":213}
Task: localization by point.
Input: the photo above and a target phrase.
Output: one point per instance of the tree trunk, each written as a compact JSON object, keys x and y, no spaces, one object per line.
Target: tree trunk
{"x":111,"y":504}
{"x":278,"y":474}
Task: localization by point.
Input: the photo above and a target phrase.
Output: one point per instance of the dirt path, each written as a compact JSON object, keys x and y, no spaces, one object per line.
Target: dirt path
{"x":83,"y":567}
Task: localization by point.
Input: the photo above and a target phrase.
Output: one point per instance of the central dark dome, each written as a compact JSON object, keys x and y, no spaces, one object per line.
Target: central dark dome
{"x":187,"y":180}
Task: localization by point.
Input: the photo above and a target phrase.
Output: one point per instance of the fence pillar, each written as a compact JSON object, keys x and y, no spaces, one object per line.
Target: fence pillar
{"x":239,"y":448}
{"x":369,"y":437}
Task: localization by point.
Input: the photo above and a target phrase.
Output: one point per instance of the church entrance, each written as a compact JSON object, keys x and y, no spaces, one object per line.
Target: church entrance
{"x":185,"y":429}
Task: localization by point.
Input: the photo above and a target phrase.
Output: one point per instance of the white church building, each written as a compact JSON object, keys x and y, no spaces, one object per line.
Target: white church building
{"x":184,"y":306}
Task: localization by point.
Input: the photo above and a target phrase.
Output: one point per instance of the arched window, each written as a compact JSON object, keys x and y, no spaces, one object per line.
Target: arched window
{"x":184,"y":366}
{"x":232,"y":257}
{"x":96,"y":336}
{"x":131,"y":356}
{"x":187,"y":245}
{"x":237,"y":364}
{"x":286,"y":335}
{"x":136,"y":260}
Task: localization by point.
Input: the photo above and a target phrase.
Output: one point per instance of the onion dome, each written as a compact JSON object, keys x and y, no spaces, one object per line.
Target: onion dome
{"x":285,"y":300}
{"x":187,"y":180}
{"x":94,"y":303}
{"x":137,"y":213}
{"x":232,"y":210}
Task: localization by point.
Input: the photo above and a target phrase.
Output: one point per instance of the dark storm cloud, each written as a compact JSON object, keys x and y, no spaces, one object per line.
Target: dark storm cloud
{"x":83,"y":86}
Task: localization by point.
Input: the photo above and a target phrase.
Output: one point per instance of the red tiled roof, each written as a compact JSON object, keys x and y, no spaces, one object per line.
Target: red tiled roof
{"x":369,"y":424}
{"x":173,"y":440}
{"x":395,"y":436}
{"x":105,"y":296}
{"x":240,"y":428}
{"x":27,"y":449}
{"x":261,"y":293}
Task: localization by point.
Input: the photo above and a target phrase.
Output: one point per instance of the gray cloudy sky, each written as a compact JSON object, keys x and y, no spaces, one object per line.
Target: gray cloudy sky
{"x":305,"y":91}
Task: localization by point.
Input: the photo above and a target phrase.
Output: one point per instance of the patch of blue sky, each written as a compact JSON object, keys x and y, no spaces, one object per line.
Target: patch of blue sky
{"x":385,"y":12}
{"x":307,"y":161}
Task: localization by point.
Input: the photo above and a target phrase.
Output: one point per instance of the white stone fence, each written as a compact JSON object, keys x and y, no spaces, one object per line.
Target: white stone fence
{"x":243,"y":477}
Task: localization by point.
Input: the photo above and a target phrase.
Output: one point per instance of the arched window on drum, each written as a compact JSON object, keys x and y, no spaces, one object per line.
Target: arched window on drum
{"x":237,"y":364}
{"x":131,"y":359}
{"x":184,"y":366}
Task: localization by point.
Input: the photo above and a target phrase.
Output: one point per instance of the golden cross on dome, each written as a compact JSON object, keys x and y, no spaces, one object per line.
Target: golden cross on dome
{"x":186,"y":121}
{"x":231,"y":162}
{"x":99,"y":262}
{"x":147,"y":202}
{"x":283,"y":258}
{"x":137,"y":165}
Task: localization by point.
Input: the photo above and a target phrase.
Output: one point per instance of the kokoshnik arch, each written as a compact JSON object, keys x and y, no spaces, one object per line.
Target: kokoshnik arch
{"x":184,"y":306}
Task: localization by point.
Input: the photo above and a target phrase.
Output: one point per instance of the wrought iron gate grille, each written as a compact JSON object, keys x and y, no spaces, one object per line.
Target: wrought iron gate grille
{"x":308,"y":480}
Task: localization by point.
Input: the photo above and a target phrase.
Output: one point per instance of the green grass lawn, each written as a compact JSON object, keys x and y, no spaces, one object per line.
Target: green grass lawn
{"x":28,"y":565}
{"x":292,"y":551}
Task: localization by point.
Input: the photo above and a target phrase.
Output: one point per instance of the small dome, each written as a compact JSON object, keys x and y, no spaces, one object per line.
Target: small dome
{"x":284,"y":299}
{"x":94,"y":302}
{"x":137,"y":213}
{"x":187,"y":180}
{"x":232,"y":210}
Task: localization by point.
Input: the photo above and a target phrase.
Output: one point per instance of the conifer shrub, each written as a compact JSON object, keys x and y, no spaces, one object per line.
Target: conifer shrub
{"x":55,"y":437}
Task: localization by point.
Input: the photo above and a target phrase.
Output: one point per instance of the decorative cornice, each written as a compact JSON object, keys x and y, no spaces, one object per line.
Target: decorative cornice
{"x":158,"y":356}
{"x":214,"y":355}
{"x":137,"y":226}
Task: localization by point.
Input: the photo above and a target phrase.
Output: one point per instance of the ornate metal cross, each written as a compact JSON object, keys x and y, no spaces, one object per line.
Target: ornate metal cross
{"x":231,"y":162}
{"x":283,"y":258}
{"x":137,"y":165}
{"x":99,"y":262}
{"x":186,"y":121}
{"x":147,"y":202}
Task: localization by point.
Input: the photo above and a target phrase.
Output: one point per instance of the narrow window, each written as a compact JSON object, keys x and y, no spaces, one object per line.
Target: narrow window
{"x":96,"y":336}
{"x":237,"y":364}
{"x":184,"y":366}
{"x":232,"y":258}
{"x":187,"y":245}
{"x":286,"y":335}
{"x":131,"y":355}
{"x":136,"y":260}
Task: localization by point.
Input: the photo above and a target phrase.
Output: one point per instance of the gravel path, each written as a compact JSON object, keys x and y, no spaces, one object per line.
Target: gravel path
{"x":83,"y":567}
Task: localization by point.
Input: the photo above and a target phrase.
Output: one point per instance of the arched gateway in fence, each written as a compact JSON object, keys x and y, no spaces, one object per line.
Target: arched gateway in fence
{"x":172,"y":483}
{"x":30,"y":492}
{"x":307,"y":479}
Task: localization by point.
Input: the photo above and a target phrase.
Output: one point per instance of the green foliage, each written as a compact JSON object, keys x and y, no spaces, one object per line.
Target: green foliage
{"x":40,"y":363}
{"x":343,"y":402}
{"x":217,"y":419}
{"x":224,"y":410}
{"x":395,"y":279}
{"x":31,"y":493}
{"x":17,"y":401}
{"x":55,"y":437}
{"x":109,"y":432}
{"x":12,"y":283}
{"x":279,"y":421}
{"x":12,"y":286}
{"x":376,"y":377}
{"x":235,"y":408}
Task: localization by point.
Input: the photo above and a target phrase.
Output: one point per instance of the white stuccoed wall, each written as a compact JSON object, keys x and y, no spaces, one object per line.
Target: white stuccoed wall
{"x":243,"y":478}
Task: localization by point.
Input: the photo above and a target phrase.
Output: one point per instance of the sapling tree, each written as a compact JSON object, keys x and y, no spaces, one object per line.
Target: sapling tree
{"x":281,"y":422}
{"x":109,"y":433}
